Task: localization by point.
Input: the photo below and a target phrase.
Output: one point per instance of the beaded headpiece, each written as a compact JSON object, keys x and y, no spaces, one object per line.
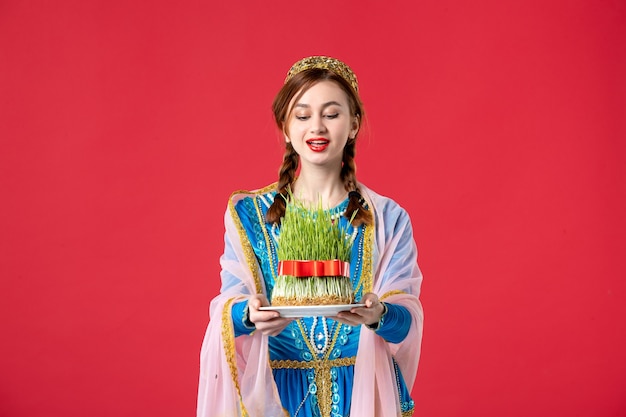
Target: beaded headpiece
{"x":328,"y":63}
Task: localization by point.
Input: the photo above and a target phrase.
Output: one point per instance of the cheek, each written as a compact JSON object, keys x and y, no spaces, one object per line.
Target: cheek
{"x":294,"y":130}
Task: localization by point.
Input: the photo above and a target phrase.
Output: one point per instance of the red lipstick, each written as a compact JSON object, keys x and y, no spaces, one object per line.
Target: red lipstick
{"x":318,"y":144}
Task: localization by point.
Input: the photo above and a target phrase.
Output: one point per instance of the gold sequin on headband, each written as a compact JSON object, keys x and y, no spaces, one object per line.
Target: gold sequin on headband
{"x":328,"y":63}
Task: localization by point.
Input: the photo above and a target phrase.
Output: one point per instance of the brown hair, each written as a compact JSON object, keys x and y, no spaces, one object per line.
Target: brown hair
{"x":296,"y":86}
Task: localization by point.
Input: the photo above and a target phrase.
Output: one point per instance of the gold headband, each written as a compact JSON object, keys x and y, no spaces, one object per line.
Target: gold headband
{"x":328,"y":63}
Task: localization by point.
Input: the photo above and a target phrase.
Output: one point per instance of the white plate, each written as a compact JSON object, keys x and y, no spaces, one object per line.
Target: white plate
{"x":311,"y":311}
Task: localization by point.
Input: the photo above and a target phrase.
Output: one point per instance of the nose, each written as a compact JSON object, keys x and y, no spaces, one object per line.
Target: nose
{"x":317,"y":125}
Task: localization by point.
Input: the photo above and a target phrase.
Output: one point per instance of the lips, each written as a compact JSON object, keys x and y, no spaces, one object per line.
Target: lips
{"x":318,"y":144}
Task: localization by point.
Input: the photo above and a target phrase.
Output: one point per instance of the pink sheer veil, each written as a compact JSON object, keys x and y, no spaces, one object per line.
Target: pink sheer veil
{"x":375,"y":392}
{"x":235,"y":368}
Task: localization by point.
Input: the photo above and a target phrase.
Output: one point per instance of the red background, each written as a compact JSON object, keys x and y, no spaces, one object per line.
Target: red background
{"x":499,"y":125}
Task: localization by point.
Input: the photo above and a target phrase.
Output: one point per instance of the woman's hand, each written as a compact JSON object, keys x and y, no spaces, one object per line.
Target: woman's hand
{"x":267,"y":322}
{"x":370,"y":314}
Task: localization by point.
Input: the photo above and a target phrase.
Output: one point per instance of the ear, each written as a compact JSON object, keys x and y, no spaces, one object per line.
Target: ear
{"x":356,"y":124}
{"x":285,"y":134}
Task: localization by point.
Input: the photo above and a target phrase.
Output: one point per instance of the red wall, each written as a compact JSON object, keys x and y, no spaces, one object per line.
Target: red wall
{"x":499,"y":125}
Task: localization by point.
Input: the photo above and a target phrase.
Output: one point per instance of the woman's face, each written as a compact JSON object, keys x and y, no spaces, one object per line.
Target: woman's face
{"x":319,"y":125}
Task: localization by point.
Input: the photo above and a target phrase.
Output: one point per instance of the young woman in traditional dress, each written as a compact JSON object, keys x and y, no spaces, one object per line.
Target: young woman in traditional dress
{"x":360,"y":362}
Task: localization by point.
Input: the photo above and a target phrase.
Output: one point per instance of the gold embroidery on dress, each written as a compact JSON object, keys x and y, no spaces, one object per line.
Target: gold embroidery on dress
{"x":243,"y":237}
{"x":390,"y":293}
{"x":267,"y":238}
{"x":366,"y":272}
{"x":364,"y":281}
{"x":228,"y":336}
{"x":291,"y":364}
{"x":323,"y":376}
{"x":247,"y":248}
{"x":322,"y":367}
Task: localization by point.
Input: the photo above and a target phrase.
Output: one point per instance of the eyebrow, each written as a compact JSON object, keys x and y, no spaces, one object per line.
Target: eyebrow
{"x":330,"y":103}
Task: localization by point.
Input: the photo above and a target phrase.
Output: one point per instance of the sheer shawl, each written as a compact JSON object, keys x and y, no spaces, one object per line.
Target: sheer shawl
{"x":235,"y":376}
{"x":397,"y":279}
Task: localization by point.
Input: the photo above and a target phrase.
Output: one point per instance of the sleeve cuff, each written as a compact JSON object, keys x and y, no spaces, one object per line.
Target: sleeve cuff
{"x":241,"y":319}
{"x":394,"y":324}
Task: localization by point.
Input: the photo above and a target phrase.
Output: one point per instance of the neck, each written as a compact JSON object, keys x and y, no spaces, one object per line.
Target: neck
{"x":313,"y":184}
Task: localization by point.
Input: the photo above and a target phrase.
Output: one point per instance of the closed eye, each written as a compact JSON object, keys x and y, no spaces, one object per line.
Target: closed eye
{"x":331,"y":116}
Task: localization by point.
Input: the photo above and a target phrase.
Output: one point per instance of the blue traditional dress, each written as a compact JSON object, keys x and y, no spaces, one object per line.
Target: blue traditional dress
{"x":313,"y":360}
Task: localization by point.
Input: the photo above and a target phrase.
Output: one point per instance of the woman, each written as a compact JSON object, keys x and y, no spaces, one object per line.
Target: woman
{"x":363,"y":361}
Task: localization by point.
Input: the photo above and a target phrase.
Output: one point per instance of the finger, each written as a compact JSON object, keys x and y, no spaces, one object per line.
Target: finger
{"x":345,"y":321}
{"x":273,"y":327}
{"x":370,"y":299}
{"x":281,"y":324}
{"x":263,"y":299}
{"x":268,"y":315}
{"x":360,"y":311}
{"x":257,"y":301}
{"x":257,"y":317}
{"x":254,"y":302}
{"x":349,"y":318}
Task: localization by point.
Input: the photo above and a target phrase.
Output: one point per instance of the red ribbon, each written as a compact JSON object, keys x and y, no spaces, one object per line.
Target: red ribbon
{"x":332,"y":268}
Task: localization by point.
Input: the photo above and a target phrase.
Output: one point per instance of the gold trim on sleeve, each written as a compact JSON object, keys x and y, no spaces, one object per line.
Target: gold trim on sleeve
{"x":228,"y":337}
{"x":390,"y":293}
{"x":247,"y":248}
{"x":243,"y":237}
